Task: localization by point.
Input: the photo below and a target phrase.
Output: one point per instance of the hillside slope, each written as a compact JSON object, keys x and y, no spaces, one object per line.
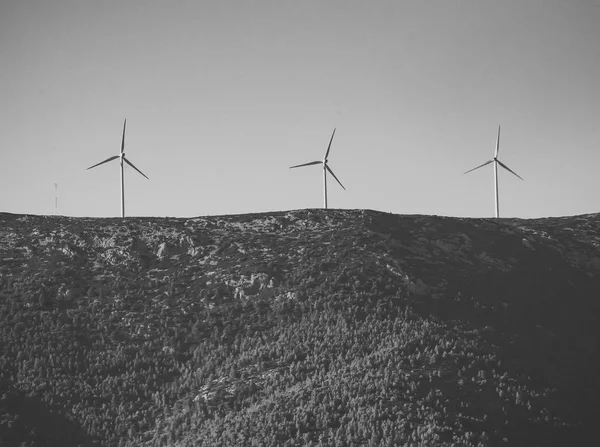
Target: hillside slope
{"x":296,"y":328}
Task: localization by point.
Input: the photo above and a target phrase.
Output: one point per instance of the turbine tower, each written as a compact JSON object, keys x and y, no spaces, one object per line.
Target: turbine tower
{"x":55,"y":197}
{"x":122,"y":158}
{"x":325,"y":169}
{"x":496,"y":163}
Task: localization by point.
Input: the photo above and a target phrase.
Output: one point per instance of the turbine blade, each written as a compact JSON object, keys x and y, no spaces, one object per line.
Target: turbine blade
{"x":123,"y":140}
{"x":131,"y":164}
{"x":102,"y":162}
{"x":329,"y":147}
{"x":497,"y":144}
{"x":307,"y":164}
{"x":480,"y":166}
{"x":508,"y":169}
{"x":331,"y":172}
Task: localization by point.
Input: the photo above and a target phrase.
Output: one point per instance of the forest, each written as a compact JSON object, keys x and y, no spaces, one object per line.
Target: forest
{"x":299,"y":328}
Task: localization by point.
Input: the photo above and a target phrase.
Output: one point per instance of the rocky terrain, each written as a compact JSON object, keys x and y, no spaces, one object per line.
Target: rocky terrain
{"x":309,"y":327}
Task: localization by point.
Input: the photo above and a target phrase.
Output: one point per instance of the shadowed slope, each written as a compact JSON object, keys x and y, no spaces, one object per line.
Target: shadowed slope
{"x":26,"y":421}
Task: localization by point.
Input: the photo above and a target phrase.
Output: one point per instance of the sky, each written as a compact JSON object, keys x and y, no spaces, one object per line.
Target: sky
{"x":222,"y":97}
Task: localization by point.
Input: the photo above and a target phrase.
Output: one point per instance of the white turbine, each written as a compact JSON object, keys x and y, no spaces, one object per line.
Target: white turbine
{"x":325,"y":169}
{"x":123,"y":159}
{"x":496,"y":163}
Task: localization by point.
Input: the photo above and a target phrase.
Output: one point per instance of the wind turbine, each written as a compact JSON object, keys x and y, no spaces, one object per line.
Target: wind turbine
{"x":496,"y":163}
{"x":123,"y":159}
{"x":325,"y":169}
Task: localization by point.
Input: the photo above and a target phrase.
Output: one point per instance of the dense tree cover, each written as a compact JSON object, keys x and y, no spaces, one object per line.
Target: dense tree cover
{"x":306,"y":328}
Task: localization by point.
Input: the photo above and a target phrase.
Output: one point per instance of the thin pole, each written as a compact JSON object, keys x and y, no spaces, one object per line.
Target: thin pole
{"x":55,"y":196}
{"x":325,"y":183}
{"x":496,"y":188}
{"x":122,"y":191}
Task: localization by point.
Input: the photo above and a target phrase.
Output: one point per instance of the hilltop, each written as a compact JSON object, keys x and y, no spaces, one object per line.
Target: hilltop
{"x":309,"y":327}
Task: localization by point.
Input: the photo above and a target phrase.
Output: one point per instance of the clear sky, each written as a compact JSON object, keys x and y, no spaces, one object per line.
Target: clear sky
{"x":221,"y":97}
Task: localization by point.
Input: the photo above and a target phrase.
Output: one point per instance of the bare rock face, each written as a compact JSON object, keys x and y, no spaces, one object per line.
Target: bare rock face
{"x":163,"y":251}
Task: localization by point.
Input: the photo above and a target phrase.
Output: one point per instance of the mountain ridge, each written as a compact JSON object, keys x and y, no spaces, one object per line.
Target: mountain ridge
{"x":452,"y":331}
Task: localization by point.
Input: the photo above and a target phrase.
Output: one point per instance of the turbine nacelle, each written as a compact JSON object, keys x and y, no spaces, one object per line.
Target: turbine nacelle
{"x":496,"y":160}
